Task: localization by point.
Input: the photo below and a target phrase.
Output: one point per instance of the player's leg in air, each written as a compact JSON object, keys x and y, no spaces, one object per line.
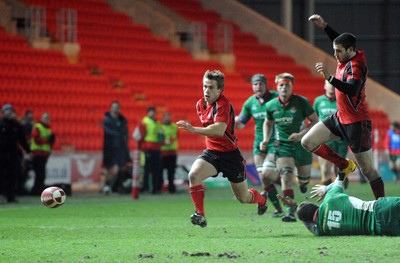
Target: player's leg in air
{"x":233,"y":168}
{"x":314,"y":141}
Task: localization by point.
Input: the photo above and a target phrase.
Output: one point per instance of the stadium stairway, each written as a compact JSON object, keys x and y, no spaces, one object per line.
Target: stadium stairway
{"x":133,"y":67}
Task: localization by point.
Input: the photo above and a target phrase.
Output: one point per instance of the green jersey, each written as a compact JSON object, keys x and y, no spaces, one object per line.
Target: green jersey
{"x":255,"y":108}
{"x":340,"y":214}
{"x":324,"y":107}
{"x":290,"y":117}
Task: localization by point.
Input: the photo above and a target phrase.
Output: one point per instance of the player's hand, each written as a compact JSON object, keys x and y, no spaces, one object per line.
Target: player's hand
{"x":318,"y":21}
{"x":287,"y":200}
{"x":319,"y":191}
{"x":185,"y":125}
{"x":263,"y":145}
{"x":294,"y":137}
{"x":238,"y":123}
{"x":321,"y":69}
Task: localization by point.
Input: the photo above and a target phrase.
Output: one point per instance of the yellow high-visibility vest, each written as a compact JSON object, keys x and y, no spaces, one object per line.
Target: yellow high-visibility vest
{"x":44,"y":132}
{"x":153,"y":129}
{"x":171,"y":134}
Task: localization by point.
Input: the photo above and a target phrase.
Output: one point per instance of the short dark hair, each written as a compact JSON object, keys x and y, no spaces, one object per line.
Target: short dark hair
{"x":216,"y":75}
{"x":305,"y":211}
{"x":151,"y":108}
{"x":258,"y":77}
{"x":347,"y":40}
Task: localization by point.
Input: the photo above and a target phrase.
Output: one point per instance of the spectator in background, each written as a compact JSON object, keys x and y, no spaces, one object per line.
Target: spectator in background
{"x":27,"y":122}
{"x":11,"y":138}
{"x":325,"y":106}
{"x":42,"y":142}
{"x":116,"y":155}
{"x":392,"y":148}
{"x":169,"y":150}
{"x":150,"y":138}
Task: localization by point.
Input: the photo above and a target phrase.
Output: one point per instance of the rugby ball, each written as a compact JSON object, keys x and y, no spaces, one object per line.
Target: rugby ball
{"x":53,"y":197}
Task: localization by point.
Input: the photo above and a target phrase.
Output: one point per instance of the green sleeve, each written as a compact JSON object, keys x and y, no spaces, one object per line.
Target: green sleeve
{"x":308,"y":109}
{"x":246,"y":109}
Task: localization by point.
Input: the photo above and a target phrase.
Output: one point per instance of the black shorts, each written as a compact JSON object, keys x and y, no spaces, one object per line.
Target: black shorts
{"x":230,"y":164}
{"x":357,"y":134}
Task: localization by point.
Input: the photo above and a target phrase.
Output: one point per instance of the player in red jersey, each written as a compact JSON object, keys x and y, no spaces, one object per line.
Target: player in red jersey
{"x":351,"y":123}
{"x":222,"y":153}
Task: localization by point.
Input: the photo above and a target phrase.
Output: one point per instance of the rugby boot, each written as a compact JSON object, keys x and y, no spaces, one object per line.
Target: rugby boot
{"x":262,"y":209}
{"x":289,"y":218}
{"x":198,"y":219}
{"x":342,"y":174}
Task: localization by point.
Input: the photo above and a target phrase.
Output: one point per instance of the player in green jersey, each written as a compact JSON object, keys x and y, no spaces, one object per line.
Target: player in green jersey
{"x":325,"y":106}
{"x":289,"y":113}
{"x":254,"y":107}
{"x":340,"y":214}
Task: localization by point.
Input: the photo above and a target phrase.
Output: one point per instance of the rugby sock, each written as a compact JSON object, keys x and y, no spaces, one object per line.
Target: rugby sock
{"x":378,"y":188}
{"x":197,"y":193}
{"x":327,"y":153}
{"x":272,"y":193}
{"x":257,"y":197}
{"x":290,"y":193}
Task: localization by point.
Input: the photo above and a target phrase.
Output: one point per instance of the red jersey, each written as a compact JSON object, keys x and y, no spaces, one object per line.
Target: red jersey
{"x":220,"y":111}
{"x":352,"y":108}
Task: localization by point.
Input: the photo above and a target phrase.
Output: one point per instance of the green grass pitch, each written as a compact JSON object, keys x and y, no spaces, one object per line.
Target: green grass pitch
{"x":94,"y":228}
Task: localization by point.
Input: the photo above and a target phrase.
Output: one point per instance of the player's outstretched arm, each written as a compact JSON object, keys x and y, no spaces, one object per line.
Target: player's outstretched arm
{"x":318,"y":21}
{"x":185,"y":126}
{"x":319,"y":191}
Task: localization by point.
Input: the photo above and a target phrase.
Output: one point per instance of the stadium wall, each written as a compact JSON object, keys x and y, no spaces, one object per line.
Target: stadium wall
{"x":83,"y":171}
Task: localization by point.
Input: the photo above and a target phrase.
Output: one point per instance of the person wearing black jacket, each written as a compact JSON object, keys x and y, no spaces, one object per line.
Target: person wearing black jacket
{"x":12,"y":138}
{"x":116,"y":154}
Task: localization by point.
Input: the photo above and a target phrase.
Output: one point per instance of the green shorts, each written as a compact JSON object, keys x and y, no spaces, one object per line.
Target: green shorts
{"x":387,"y":211}
{"x":270,"y":148}
{"x":295,"y":150}
{"x":340,"y":147}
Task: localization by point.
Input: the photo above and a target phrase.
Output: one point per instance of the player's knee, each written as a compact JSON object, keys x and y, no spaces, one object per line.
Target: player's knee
{"x":306,"y":143}
{"x":269,"y":176}
{"x":286,"y":171}
{"x":192,"y":176}
{"x":259,"y":169}
{"x":370,"y":172}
